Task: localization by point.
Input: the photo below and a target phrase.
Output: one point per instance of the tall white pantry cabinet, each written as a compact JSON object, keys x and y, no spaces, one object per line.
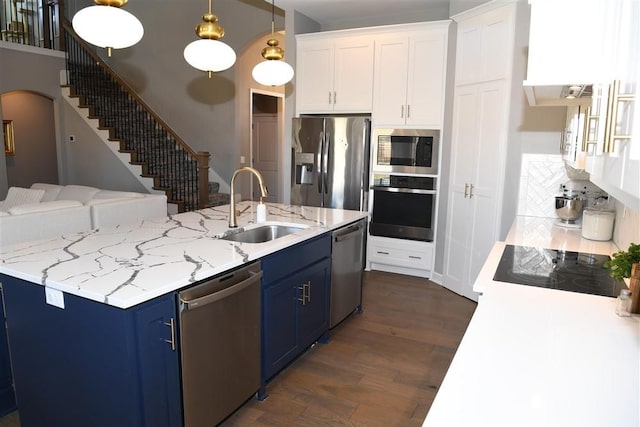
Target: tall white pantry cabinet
{"x":488,"y":100}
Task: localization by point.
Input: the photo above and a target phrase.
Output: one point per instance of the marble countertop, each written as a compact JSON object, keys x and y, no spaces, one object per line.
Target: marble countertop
{"x":541,"y":357}
{"x":130,"y":264}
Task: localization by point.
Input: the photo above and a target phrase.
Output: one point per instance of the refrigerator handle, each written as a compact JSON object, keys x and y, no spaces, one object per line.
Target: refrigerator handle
{"x":325,"y":172}
{"x":319,"y":160}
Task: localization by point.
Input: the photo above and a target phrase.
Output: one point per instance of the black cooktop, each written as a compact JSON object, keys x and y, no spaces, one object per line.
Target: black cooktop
{"x":557,"y":269}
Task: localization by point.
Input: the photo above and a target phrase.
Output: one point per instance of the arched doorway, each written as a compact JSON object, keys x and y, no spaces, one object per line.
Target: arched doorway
{"x":31,"y":116}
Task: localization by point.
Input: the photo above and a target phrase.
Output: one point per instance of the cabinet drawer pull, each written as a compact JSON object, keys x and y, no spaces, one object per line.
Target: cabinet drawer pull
{"x":329,"y":97}
{"x":466,"y":190}
{"x":308,"y":285}
{"x":402,"y":111}
{"x":382,"y":253}
{"x":303,"y":298}
{"x":334,"y":98}
{"x":172,"y":341}
{"x":408,"y":111}
{"x":470,"y":190}
{"x":415,"y":257}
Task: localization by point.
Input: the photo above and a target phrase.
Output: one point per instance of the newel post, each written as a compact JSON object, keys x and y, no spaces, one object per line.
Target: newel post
{"x":203,"y":178}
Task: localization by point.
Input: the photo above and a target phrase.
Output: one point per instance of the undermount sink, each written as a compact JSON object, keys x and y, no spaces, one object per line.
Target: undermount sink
{"x":262,"y":233}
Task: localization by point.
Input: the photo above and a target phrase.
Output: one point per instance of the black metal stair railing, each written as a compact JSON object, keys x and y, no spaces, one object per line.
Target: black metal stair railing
{"x":175,"y":167}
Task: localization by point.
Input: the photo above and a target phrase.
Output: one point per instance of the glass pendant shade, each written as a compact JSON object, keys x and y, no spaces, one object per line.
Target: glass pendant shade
{"x":272,"y":72}
{"x":108,"y":27}
{"x":209,"y":55}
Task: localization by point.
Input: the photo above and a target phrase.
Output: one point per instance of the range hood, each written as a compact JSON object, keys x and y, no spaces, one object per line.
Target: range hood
{"x":557,"y":95}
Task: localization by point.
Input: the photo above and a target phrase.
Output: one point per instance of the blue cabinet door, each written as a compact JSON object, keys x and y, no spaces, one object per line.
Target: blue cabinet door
{"x":279,"y":326}
{"x":290,"y":325}
{"x":313,"y":316}
{"x":90,"y":364}
{"x":158,"y":362}
{"x":7,"y":397}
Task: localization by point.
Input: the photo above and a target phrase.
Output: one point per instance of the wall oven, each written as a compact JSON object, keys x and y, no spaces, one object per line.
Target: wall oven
{"x":403,"y":207}
{"x":406,"y":151}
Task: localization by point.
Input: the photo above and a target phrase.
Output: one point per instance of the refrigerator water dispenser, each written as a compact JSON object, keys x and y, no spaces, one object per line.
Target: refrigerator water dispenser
{"x":304,"y":168}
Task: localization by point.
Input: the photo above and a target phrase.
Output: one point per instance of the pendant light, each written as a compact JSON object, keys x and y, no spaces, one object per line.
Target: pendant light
{"x":273,"y":71}
{"x":209,"y":53}
{"x":108,"y":26}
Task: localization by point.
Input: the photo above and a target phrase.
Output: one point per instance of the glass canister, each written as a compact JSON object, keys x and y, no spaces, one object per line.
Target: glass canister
{"x":597,"y":224}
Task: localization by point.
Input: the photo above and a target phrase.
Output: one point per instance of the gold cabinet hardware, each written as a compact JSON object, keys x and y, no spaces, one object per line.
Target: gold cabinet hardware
{"x":171,"y":324}
{"x":615,"y":98}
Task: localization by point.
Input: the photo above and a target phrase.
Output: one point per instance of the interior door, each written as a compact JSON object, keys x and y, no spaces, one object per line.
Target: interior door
{"x":265,"y":153}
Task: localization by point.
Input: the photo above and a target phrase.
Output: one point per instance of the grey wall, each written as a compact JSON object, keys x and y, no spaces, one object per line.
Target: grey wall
{"x":457,"y":6}
{"x":202,"y":111}
{"x":87,"y":160}
{"x":31,"y":69}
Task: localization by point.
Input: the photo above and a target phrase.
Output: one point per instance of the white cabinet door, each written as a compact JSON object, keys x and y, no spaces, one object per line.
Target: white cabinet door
{"x":478,"y":141}
{"x":314,"y":76}
{"x":391,"y":63}
{"x":334,"y":75}
{"x":410,"y":78}
{"x":426,"y":79}
{"x":614,"y":165}
{"x":483,"y":45}
{"x":353,"y":75}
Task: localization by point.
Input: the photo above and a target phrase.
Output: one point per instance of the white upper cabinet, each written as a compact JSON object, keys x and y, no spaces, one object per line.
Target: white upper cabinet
{"x":410,"y":70}
{"x":482,"y":45}
{"x":569,"y":45}
{"x":334,"y":74}
{"x":614,"y":132}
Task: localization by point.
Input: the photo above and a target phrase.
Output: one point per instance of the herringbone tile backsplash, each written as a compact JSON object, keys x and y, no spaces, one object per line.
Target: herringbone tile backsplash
{"x":540,"y":179}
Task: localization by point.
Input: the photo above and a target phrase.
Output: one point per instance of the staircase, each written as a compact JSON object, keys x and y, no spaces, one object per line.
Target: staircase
{"x":138,"y":131}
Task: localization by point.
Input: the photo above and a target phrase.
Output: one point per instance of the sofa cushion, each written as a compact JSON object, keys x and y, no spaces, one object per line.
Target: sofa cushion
{"x":21,"y":196}
{"x":80,"y":193}
{"x":51,"y":191}
{"x":44,"y":206}
{"x":108,"y":194}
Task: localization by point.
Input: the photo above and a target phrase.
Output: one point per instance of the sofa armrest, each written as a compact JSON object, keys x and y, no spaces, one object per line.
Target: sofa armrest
{"x":112,"y":212}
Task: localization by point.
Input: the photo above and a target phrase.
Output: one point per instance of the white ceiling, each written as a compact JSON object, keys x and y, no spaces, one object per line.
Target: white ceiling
{"x":336,"y":14}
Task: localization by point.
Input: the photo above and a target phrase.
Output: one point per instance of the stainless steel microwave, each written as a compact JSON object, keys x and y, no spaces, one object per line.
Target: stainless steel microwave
{"x":406,"y":150}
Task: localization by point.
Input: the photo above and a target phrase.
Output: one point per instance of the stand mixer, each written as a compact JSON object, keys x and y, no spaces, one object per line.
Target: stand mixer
{"x":576,"y":195}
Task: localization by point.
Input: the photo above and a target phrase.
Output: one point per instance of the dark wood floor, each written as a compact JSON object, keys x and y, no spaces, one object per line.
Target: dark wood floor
{"x":380,"y":368}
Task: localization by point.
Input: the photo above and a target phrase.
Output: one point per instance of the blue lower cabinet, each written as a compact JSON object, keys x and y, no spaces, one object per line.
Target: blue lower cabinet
{"x":7,"y":397}
{"x":295,"y":296}
{"x":91,"y":364}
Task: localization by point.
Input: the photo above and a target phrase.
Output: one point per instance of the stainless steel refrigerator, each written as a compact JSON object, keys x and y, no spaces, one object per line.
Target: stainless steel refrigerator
{"x":330,"y":162}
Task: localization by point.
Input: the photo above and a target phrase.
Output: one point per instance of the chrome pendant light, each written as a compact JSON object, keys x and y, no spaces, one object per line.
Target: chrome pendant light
{"x":108,"y":26}
{"x":273,"y":71}
{"x":209,"y":53}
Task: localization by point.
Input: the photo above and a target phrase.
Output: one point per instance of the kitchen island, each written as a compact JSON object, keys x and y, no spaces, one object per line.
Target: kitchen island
{"x":542,"y":357}
{"x":91,"y":316}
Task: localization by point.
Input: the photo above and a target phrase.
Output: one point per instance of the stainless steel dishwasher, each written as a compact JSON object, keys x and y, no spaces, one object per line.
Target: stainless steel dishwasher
{"x":220,"y":345}
{"x":346,"y":271}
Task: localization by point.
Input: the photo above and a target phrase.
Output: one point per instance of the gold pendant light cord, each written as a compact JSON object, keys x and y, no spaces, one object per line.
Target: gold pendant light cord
{"x":273,"y":19}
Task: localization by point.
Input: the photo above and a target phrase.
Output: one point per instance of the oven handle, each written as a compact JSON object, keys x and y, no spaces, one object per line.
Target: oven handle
{"x":402,"y":190}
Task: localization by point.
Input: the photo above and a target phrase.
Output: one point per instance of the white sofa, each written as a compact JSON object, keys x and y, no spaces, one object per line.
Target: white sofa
{"x":49,"y":210}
